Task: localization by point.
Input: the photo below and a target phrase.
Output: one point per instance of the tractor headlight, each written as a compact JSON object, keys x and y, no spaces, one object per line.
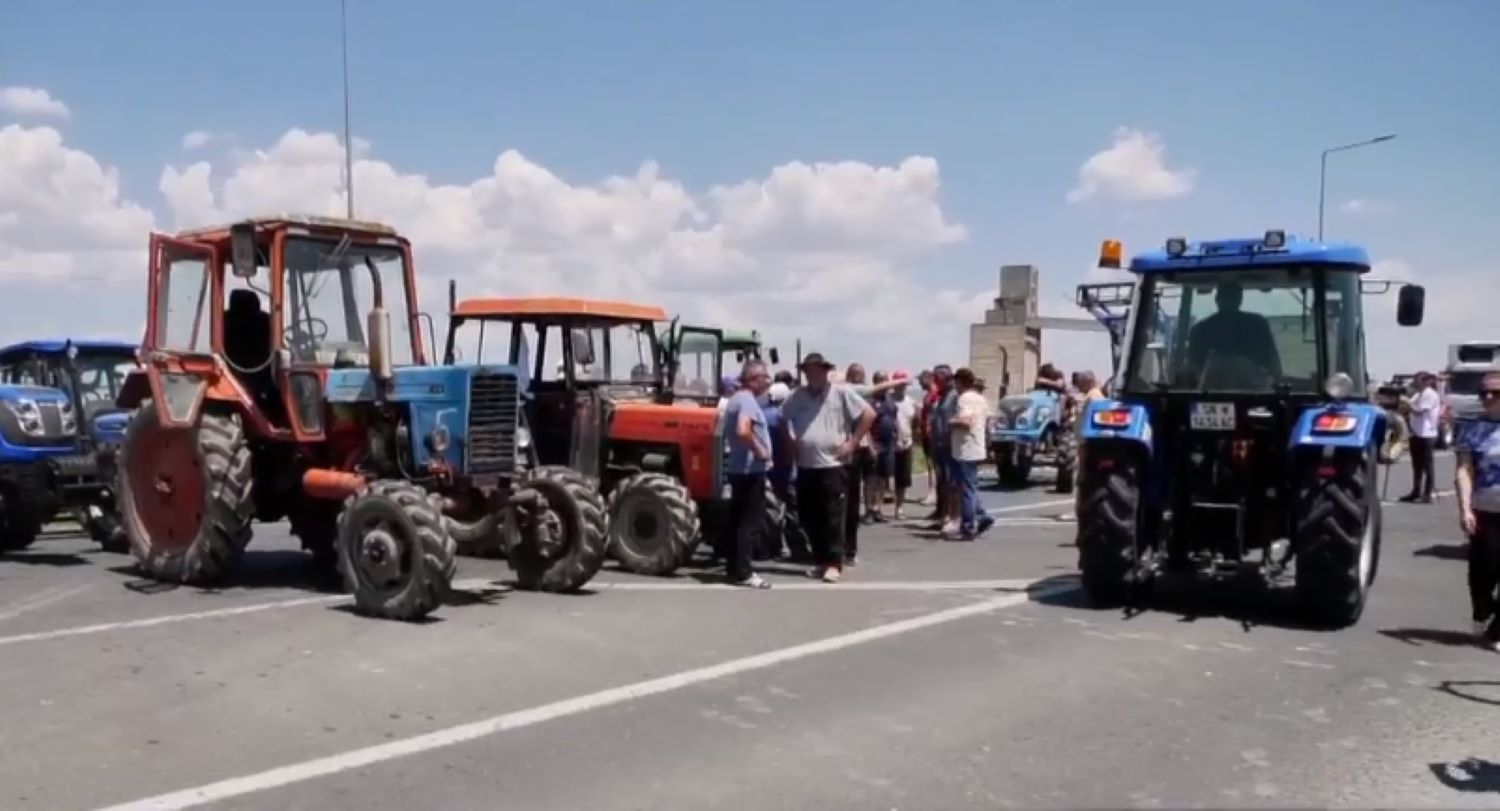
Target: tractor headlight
{"x":1043,"y":414}
{"x":523,"y":437}
{"x":438,"y":440}
{"x":1340,"y":386}
{"x":1023,"y":421}
{"x":27,"y":414}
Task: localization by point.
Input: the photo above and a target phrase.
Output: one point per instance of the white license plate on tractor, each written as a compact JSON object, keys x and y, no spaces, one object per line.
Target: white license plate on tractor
{"x":1212,"y":417}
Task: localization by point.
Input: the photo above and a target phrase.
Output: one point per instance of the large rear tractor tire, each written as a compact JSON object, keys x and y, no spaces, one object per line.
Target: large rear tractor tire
{"x":395,"y":553}
{"x":1337,"y":541}
{"x":185,"y":496}
{"x":1109,"y":526}
{"x":653,"y":524}
{"x":563,"y":533}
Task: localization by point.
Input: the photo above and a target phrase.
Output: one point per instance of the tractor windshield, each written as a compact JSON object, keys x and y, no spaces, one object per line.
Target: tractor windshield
{"x":329,"y":292}
{"x":1260,"y":331}
{"x":618,"y":353}
{"x":100,"y":377}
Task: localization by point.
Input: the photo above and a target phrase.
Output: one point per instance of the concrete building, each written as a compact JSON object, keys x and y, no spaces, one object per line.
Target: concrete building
{"x":1006,"y":347}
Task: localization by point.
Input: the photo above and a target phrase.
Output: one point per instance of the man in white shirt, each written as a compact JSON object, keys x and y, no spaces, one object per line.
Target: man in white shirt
{"x":968,"y":440}
{"x":1422,"y":414}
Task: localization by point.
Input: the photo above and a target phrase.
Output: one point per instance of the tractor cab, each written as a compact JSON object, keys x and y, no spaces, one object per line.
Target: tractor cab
{"x":260,"y":311}
{"x":702,"y":354}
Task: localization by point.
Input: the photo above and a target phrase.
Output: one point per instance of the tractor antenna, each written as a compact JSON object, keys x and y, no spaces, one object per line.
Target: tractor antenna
{"x":348,"y":145}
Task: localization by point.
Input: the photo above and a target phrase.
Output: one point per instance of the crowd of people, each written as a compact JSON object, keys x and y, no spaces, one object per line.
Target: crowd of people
{"x":833,"y":446}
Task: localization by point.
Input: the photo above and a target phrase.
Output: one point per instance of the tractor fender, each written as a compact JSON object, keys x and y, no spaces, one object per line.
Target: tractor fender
{"x":1353,"y":426}
{"x":1112,"y":422}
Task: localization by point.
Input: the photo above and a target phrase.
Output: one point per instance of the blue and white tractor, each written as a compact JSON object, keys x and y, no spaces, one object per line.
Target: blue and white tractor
{"x":1240,"y":438}
{"x":1032,"y":429}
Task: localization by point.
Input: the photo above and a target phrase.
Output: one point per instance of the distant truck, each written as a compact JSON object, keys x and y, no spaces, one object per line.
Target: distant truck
{"x":1468,"y":363}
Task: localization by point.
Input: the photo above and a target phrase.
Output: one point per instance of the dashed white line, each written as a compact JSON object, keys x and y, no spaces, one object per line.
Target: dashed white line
{"x":149,"y":622}
{"x":358,"y":758}
{"x":847,"y":585}
{"x":41,"y":599}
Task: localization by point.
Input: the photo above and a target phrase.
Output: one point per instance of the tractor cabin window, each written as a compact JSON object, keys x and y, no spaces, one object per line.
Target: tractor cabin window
{"x":1252,"y":331}
{"x":623,"y":354}
{"x":328,"y":296}
{"x":183,"y":305}
{"x":100,"y":378}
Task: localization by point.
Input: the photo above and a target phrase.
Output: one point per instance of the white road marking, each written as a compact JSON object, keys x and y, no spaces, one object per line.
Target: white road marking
{"x":1015,"y":508}
{"x":847,"y":585}
{"x":41,"y":599}
{"x":359,"y":758}
{"x":149,"y":622}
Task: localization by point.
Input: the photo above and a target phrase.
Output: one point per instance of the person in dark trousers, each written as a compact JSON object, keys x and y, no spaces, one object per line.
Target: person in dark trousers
{"x":944,"y":405}
{"x":824,"y":422}
{"x":1423,"y":410}
{"x":1476,"y":482}
{"x":791,"y":543}
{"x":749,"y":459}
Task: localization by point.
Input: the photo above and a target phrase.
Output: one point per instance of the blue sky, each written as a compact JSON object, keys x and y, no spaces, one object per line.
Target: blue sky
{"x":1009,"y":98}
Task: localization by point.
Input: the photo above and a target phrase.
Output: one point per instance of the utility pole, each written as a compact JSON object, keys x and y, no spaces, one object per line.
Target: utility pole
{"x":348,"y":144}
{"x":1323,"y":172}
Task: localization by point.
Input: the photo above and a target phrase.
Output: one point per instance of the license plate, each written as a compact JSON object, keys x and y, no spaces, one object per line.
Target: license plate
{"x":1212,"y":417}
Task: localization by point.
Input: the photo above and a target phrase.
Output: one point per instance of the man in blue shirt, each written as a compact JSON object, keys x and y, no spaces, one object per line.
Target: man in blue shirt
{"x":1477,"y":484}
{"x":749,"y":441}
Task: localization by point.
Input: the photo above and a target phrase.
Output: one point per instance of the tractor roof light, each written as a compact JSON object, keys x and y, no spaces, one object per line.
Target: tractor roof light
{"x":1109,"y":254}
{"x":1176,"y":246}
{"x":1275,"y":240}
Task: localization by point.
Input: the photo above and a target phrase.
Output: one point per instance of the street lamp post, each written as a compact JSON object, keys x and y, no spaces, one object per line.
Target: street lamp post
{"x":1323,"y":172}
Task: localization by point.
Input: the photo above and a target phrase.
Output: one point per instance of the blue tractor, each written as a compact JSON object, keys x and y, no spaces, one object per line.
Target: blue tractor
{"x":91,"y":374}
{"x":1032,"y":429}
{"x":37,"y":425}
{"x":1240,"y":437}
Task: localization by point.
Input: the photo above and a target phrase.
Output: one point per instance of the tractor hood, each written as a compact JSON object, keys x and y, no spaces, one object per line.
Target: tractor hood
{"x":37,"y":395}
{"x":1027,"y":413}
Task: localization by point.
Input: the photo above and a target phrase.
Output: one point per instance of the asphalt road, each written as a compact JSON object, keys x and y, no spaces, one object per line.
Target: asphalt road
{"x":939,"y":675}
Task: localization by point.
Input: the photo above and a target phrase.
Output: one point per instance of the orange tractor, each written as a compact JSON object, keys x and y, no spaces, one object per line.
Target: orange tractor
{"x":599,"y":399}
{"x":306,"y":399}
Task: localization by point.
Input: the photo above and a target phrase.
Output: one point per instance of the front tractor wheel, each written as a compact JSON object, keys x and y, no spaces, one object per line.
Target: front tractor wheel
{"x":1337,"y":541}
{"x":396,"y":555}
{"x":1066,"y":461}
{"x":653,"y":524}
{"x":1109,"y":529}
{"x":185,"y":496}
{"x":561,"y":529}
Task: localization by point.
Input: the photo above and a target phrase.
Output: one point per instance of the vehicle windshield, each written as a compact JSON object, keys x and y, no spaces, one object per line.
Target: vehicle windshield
{"x":329,"y":293}
{"x":1466,"y":383}
{"x":100,"y":378}
{"x":1250,"y":331}
{"x":699,"y":364}
{"x":615,"y":353}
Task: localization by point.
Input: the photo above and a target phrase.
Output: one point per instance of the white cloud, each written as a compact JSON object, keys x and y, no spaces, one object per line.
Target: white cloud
{"x":1359,"y":206}
{"x":197,"y":139}
{"x":1132,"y":169}
{"x":1453,"y":314}
{"x":31,"y":101}
{"x":823,"y":252}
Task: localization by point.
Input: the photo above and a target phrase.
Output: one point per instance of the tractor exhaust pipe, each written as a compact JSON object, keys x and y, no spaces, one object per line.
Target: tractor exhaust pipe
{"x":331,"y":485}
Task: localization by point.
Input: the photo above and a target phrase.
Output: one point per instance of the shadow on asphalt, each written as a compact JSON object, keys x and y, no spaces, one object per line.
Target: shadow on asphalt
{"x":1472,"y":691}
{"x":1443,"y":551}
{"x":1431,"y":636}
{"x":1193,"y":599}
{"x":1471,"y":775}
{"x":36,"y":558}
{"x":269,"y":569}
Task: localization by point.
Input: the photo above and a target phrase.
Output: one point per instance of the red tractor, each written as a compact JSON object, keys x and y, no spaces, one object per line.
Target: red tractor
{"x":305,"y":399}
{"x":599,"y":401}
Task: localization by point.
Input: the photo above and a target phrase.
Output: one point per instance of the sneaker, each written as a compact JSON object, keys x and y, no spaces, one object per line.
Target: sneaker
{"x":949,"y":528}
{"x":851,"y":561}
{"x":817,"y":572}
{"x":879,"y":518}
{"x":831,"y":574}
{"x":929,"y":500}
{"x":985,"y":522}
{"x":754,"y":581}
{"x":900,"y":514}
{"x":1481,"y":629}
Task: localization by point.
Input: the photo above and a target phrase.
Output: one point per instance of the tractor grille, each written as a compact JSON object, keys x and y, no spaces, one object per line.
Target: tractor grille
{"x":1013,"y":414}
{"x":494,"y":413}
{"x":51,"y":419}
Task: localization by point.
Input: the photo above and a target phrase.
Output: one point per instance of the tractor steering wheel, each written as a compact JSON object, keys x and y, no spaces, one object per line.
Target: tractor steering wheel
{"x":306,"y":332}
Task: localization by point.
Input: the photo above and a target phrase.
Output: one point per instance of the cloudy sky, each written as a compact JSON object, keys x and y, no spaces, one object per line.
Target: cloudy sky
{"x":852,"y":174}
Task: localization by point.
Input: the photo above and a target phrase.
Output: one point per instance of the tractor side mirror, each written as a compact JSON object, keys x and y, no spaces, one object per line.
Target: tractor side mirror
{"x":242,"y":250}
{"x":583,"y":347}
{"x":775,"y":356}
{"x":1411,"y":301}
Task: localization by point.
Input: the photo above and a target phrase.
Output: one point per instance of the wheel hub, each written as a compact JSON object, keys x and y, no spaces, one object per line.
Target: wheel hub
{"x":380,"y":556}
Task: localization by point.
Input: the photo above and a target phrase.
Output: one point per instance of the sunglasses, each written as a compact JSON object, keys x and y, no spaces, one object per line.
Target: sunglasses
{"x":1490,"y":394}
